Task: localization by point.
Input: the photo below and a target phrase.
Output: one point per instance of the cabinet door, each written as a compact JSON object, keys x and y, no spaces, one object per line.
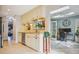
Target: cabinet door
{"x":35,"y":41}
{"x":20,"y":37}
{"x":32,"y":42}
{"x":23,"y":38}
{"x":28,"y":40}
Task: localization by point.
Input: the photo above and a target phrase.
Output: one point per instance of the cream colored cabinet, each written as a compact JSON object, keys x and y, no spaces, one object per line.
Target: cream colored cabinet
{"x":32,"y":42}
{"x":19,"y":37}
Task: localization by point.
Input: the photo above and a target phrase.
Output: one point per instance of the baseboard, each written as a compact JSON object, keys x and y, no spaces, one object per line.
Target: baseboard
{"x":5,"y":40}
{"x":32,"y":48}
{"x":29,"y":47}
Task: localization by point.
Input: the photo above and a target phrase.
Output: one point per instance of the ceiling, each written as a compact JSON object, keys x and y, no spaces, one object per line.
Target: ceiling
{"x":72,"y":9}
{"x":15,"y":9}
{"x":21,"y":9}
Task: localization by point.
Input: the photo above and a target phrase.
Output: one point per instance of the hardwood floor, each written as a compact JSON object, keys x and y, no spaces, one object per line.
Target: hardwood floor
{"x":16,"y":49}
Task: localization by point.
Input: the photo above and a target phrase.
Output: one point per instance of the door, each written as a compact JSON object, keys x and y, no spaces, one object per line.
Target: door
{"x":54,"y":29}
{"x":0,"y":32}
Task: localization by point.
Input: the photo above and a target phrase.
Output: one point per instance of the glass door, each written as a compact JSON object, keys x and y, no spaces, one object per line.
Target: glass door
{"x":54,"y":29}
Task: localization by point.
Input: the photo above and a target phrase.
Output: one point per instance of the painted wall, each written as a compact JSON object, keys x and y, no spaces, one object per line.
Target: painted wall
{"x":48,"y":9}
{"x":28,"y":17}
{"x":17,"y":24}
{"x":43,"y":10}
{"x":72,"y":26}
{"x":5,"y":32}
{"x":74,"y":23}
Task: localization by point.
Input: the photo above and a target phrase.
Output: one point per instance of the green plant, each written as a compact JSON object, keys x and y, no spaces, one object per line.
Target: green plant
{"x":46,"y":34}
{"x":38,"y":25}
{"x":77,"y":32}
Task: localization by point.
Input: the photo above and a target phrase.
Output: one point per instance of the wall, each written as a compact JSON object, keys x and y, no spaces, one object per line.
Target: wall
{"x":74,"y":23}
{"x":38,"y":11}
{"x":43,"y":10}
{"x":48,"y":9}
{"x":17,"y":25}
{"x":72,"y":26}
{"x":28,"y":17}
{"x":5,"y":33}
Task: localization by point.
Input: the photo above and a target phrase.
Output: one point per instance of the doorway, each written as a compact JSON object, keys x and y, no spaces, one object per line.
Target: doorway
{"x":0,"y":32}
{"x":10,"y":31}
{"x":54,"y":29}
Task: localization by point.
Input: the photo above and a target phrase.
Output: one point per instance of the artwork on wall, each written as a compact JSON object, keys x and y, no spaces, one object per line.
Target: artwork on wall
{"x":66,"y":23}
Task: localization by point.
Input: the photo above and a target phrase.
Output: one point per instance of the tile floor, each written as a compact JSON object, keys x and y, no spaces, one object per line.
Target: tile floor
{"x":62,"y":47}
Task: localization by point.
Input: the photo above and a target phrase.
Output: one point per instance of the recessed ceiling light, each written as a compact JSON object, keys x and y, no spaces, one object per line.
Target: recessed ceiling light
{"x":65,"y":15}
{"x":60,"y":10}
{"x":58,"y":16}
{"x":14,"y":19}
{"x":8,"y":9}
{"x":71,"y":13}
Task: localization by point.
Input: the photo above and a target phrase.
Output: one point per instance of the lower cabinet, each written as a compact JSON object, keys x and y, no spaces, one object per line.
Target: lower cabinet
{"x":32,"y":41}
{"x":19,"y":37}
{"x":23,"y":38}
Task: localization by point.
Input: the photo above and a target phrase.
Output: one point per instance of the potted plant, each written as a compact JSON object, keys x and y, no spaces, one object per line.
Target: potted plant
{"x":77,"y":35}
{"x":46,"y":34}
{"x":38,"y":26}
{"x":46,"y":41}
